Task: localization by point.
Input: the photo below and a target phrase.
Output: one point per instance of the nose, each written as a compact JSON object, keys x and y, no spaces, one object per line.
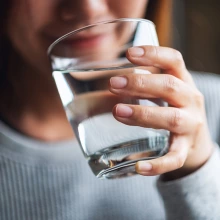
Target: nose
{"x":84,"y":11}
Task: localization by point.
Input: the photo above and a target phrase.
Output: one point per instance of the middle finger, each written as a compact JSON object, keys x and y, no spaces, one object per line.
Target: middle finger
{"x":171,"y":89}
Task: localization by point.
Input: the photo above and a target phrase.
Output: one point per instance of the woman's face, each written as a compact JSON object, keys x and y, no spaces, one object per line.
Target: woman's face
{"x":33,"y":25}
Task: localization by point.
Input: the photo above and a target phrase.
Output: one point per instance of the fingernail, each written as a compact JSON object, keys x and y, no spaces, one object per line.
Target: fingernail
{"x":143,"y":166}
{"x":118,"y":82}
{"x":136,"y":51}
{"x":123,"y":111}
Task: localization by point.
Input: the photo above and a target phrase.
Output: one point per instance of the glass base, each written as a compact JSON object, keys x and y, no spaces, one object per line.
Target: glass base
{"x":119,"y":161}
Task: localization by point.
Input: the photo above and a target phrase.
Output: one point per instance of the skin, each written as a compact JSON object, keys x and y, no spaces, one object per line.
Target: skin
{"x":34,"y":107}
{"x":190,"y":144}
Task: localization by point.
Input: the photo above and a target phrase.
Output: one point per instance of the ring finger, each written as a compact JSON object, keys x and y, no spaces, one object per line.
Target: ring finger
{"x":169,"y":118}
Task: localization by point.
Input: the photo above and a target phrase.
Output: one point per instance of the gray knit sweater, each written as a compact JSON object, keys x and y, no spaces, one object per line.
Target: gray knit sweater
{"x":52,"y":181}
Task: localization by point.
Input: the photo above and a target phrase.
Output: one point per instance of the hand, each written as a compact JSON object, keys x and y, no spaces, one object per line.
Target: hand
{"x":190,"y":142}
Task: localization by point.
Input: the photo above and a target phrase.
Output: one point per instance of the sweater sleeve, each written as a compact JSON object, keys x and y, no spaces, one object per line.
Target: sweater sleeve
{"x":196,"y":196}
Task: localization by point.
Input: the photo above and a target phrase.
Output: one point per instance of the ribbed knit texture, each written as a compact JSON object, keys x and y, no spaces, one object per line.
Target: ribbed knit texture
{"x":46,"y":181}
{"x":209,"y":85}
{"x":42,"y":181}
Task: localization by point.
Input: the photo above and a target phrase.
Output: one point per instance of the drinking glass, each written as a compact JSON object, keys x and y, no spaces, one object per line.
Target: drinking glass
{"x":83,"y":62}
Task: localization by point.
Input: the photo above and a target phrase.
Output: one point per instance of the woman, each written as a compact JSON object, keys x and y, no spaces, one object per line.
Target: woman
{"x":42,"y":172}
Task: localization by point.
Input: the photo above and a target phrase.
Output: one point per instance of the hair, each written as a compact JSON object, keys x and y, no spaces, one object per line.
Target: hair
{"x":5,"y":47}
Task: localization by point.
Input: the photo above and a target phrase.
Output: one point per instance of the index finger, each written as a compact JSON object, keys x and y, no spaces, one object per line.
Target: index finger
{"x":167,"y":59}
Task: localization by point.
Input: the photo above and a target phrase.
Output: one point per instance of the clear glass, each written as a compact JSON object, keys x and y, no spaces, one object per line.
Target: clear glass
{"x":82,"y":62}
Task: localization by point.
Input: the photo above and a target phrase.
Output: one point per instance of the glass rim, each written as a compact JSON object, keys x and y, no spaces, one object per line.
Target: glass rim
{"x":50,"y":48}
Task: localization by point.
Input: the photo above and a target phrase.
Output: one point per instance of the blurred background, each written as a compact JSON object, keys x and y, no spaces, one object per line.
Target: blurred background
{"x":192,"y":27}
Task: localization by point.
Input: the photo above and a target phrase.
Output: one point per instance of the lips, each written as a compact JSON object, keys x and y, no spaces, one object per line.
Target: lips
{"x":85,"y":41}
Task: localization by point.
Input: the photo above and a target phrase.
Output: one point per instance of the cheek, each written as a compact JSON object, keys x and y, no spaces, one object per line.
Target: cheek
{"x":24,"y":31}
{"x":26,"y":42}
{"x":129,"y":8}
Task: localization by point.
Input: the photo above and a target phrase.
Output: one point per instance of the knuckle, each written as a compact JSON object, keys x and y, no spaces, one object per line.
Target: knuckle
{"x":155,"y":51}
{"x":146,"y":114}
{"x":170,"y":84}
{"x":159,"y":166}
{"x":199,"y":99}
{"x":200,"y":123}
{"x":178,"y":56}
{"x":199,"y":103}
{"x":199,"y":120}
{"x":176,"y":119}
{"x":179,"y":161}
{"x":162,"y":165}
{"x":140,"y":81}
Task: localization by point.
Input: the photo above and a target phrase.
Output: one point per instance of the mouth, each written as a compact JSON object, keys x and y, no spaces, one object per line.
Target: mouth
{"x":85,"y":41}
